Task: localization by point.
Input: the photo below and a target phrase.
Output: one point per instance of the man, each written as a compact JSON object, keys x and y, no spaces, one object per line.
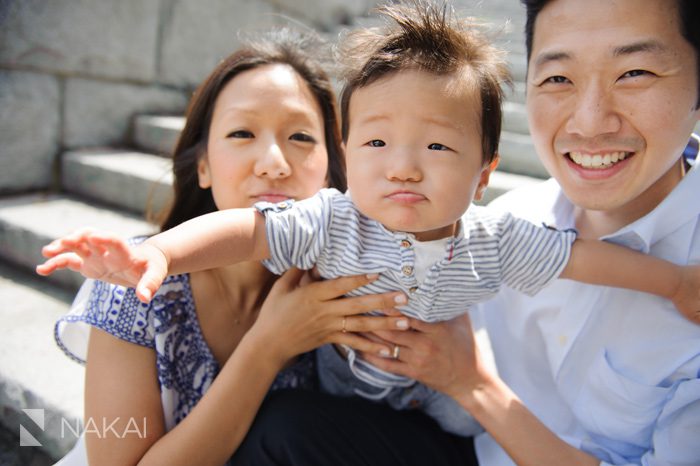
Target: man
{"x":612,"y":97}
{"x":587,"y":375}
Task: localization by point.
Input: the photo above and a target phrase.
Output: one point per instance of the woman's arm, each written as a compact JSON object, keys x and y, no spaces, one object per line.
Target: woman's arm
{"x":602,"y":263}
{"x":293,"y":319}
{"x":445,"y":357}
{"x":121,"y":384}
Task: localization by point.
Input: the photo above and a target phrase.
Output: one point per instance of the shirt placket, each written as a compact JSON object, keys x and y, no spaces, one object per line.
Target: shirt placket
{"x":405,"y":243}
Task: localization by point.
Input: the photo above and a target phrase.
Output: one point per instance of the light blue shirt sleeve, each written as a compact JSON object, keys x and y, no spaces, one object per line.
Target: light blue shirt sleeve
{"x":297,"y":232}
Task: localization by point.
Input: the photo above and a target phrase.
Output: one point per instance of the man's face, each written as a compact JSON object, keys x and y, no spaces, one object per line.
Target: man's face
{"x":611,"y":95}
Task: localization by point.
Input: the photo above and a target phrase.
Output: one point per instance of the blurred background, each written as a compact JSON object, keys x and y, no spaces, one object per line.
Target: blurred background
{"x":92,"y":94}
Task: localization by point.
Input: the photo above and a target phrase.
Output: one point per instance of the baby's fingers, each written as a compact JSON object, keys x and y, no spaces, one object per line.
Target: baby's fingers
{"x":67,"y":260}
{"x":149,"y":284}
{"x":75,"y":242}
{"x":113,"y":246}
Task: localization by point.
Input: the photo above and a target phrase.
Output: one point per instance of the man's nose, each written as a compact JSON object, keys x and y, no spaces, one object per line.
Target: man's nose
{"x":594,"y":112}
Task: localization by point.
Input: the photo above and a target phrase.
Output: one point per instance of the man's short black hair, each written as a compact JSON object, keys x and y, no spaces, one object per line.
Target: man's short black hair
{"x":689,"y":11}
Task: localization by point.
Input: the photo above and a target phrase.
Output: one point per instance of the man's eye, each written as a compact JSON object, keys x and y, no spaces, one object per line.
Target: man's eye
{"x":376,"y":143}
{"x":438,"y":146}
{"x":241,"y":133}
{"x":636,"y":73}
{"x":303,"y":137}
{"x":556,"y":80}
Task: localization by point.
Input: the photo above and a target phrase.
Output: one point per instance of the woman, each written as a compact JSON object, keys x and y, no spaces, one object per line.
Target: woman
{"x":194,"y":365}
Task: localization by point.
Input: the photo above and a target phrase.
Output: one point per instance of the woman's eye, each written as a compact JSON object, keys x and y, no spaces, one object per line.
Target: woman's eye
{"x":438,"y":146}
{"x":241,"y":133}
{"x":303,"y":137}
{"x":376,"y":143}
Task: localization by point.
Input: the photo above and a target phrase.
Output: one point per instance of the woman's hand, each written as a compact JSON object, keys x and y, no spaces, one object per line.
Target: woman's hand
{"x":107,"y":257}
{"x":298,"y":317}
{"x":442,"y":355}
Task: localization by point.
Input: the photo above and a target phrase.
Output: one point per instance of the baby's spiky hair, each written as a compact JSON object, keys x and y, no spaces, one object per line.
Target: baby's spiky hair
{"x":420,"y":35}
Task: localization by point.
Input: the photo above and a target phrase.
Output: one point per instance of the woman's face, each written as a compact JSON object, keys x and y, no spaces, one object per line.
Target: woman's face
{"x":266,"y":140}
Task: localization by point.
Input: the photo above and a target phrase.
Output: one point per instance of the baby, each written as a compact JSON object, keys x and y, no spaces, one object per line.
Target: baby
{"x":421,"y":112}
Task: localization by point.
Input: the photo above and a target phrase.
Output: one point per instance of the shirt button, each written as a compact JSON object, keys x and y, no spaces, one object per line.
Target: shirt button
{"x":563,"y":339}
{"x":282,"y":205}
{"x":407,"y":270}
{"x":413,"y":289}
{"x":405,"y":244}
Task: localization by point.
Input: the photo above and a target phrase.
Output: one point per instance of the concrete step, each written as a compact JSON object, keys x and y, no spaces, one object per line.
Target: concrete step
{"x":515,"y":118}
{"x":157,"y":133}
{"x":517,"y":93}
{"x":501,"y":182}
{"x":34,"y":372}
{"x":29,"y":222}
{"x":518,"y":156}
{"x":131,"y":180}
{"x":518,"y":66}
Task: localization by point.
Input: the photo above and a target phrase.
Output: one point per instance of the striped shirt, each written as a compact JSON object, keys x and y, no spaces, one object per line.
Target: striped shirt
{"x":489,"y":249}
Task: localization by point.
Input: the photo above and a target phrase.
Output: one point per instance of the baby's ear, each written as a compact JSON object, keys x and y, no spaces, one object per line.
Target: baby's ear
{"x":484,"y":178}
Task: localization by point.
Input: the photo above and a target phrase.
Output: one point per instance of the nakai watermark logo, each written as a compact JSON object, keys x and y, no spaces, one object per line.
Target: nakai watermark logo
{"x":101,"y":427}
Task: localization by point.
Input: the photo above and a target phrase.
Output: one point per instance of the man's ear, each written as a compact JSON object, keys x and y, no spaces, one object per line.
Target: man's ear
{"x":484,"y":178}
{"x":203,"y":172}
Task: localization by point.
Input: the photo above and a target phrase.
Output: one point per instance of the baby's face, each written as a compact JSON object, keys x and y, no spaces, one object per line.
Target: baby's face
{"x":414,"y":151}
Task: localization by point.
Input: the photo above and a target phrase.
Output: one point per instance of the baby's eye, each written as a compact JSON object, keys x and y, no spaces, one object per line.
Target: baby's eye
{"x":376,"y":143}
{"x":303,"y":137}
{"x":438,"y":146}
{"x":241,"y":133}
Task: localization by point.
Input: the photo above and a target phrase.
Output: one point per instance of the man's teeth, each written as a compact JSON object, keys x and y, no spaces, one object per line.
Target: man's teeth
{"x":597,"y":160}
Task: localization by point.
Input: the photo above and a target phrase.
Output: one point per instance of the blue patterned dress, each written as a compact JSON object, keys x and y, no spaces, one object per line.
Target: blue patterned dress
{"x":169,"y":325}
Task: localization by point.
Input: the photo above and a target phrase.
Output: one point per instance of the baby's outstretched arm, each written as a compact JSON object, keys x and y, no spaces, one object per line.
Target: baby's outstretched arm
{"x":601,"y":263}
{"x":213,"y":240}
{"x":107,"y":257}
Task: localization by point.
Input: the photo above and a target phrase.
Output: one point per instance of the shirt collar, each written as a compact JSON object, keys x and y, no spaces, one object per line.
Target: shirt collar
{"x":678,"y":208}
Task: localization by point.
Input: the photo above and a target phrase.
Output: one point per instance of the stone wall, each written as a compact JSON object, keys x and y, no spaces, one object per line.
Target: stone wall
{"x":73,"y":72}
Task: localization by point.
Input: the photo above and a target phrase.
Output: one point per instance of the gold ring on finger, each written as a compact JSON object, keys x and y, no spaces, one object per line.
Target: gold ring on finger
{"x":395,"y":353}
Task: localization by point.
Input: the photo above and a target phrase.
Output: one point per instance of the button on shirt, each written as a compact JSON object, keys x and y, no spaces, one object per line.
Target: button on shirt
{"x":488,"y":249}
{"x":611,"y":371}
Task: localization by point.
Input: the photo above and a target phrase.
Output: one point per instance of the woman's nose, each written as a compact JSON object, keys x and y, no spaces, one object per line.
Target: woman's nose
{"x":272,"y":163}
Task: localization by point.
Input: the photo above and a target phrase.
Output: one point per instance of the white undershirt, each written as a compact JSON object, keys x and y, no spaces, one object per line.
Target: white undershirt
{"x":427,"y":254}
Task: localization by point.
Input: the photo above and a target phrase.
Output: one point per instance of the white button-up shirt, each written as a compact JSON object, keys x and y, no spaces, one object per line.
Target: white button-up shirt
{"x":613,"y":372}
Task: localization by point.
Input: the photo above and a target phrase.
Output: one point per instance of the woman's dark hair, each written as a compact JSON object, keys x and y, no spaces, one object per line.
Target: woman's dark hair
{"x":689,"y":11}
{"x":281,"y":46}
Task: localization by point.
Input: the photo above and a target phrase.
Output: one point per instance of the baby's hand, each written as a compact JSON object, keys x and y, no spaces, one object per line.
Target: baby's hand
{"x":687,"y":298}
{"x":105,"y":256}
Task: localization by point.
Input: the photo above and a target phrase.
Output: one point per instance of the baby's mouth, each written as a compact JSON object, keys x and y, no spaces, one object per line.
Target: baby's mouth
{"x":598,"y":161}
